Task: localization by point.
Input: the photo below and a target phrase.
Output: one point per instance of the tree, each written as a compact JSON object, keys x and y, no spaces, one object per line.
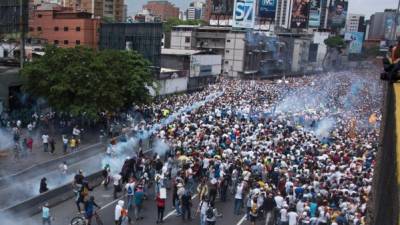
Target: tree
{"x":333,"y":44}
{"x":82,"y":81}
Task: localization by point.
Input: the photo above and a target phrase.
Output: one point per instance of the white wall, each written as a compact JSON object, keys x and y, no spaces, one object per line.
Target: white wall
{"x":205,"y":60}
{"x":171,"y":86}
{"x":234,"y":53}
{"x":178,"y":39}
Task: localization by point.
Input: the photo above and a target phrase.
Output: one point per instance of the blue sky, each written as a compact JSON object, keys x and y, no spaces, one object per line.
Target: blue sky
{"x":366,"y":7}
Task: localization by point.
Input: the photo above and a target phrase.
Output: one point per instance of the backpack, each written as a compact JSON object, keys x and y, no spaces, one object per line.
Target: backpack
{"x":210,"y":213}
{"x":130,"y":190}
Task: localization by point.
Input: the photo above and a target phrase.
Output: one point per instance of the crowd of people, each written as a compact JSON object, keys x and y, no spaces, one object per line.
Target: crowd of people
{"x":295,"y":151}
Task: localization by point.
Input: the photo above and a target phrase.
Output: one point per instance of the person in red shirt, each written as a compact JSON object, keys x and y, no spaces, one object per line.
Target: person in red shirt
{"x":160,"y":208}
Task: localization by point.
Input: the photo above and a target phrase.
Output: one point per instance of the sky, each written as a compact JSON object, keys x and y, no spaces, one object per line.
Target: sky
{"x":366,"y":7}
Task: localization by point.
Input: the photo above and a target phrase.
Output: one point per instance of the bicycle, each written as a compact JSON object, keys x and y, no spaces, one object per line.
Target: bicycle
{"x":81,"y":220}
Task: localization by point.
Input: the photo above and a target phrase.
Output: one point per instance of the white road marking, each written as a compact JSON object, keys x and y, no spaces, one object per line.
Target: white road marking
{"x":241,"y":220}
{"x":110,"y":203}
{"x":174,"y":211}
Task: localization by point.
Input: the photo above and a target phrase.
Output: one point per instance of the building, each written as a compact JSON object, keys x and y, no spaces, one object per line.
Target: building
{"x":10,"y":83}
{"x":183,"y":37}
{"x":355,"y":23}
{"x":114,"y":9}
{"x":195,"y":10}
{"x":10,"y":16}
{"x":381,"y":25}
{"x":144,"y":38}
{"x":200,"y":67}
{"x":163,"y":9}
{"x":63,"y":27}
{"x":144,"y":16}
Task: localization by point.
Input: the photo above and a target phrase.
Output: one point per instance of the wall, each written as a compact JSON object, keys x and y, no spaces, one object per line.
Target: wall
{"x":174,"y":85}
{"x":198,"y":62}
{"x":177,"y":62}
{"x":234,"y":54}
{"x":178,"y":39}
{"x":300,"y":55}
{"x":319,"y":38}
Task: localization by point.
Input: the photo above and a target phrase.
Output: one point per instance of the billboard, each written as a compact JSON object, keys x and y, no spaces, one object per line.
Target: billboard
{"x":389,"y":23}
{"x":300,"y":12}
{"x":337,"y":14}
{"x":356,"y":41}
{"x":222,"y":7}
{"x":315,"y":13}
{"x":267,"y":9}
{"x":244,"y":14}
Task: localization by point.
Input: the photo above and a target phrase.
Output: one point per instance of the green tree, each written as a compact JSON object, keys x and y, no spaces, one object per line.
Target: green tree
{"x":334,"y":44}
{"x":82,"y":81}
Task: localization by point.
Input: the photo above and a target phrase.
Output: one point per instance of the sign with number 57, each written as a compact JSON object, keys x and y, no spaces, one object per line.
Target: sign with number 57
{"x":244,"y":14}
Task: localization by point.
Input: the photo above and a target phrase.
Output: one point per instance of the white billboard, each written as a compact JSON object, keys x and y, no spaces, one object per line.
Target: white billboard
{"x":244,"y":13}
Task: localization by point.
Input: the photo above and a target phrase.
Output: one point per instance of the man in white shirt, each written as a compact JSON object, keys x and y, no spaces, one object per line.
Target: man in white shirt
{"x":279,"y":201}
{"x":292,"y":215}
{"x":130,"y":191}
{"x":117,"y":184}
{"x":45,"y":141}
{"x":284,"y":219}
{"x":238,"y":199}
{"x":118,"y":209}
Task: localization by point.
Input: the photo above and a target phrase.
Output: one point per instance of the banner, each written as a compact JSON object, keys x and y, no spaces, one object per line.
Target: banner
{"x":267,"y":9}
{"x":315,"y":13}
{"x":300,"y":12}
{"x":389,"y":23}
{"x":356,"y":41}
{"x":337,"y":14}
{"x":244,"y":14}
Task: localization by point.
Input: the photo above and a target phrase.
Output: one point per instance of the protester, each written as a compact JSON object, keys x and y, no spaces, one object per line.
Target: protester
{"x":46,"y":216}
{"x":43,"y":185}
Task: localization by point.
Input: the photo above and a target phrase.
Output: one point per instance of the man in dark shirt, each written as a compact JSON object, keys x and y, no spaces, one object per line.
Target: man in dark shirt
{"x":186,"y":201}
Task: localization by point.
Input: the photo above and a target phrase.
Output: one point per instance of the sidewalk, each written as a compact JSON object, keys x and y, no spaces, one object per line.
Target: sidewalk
{"x":9,"y":165}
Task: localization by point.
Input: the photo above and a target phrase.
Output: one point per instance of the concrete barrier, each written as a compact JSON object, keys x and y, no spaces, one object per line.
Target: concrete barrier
{"x":56,"y":196}
{"x":72,"y":158}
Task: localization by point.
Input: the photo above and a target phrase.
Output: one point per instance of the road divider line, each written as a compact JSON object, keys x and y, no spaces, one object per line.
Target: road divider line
{"x":241,"y":220}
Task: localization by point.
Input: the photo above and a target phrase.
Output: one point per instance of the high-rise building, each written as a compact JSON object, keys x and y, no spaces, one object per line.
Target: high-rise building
{"x":195,"y":10}
{"x":355,"y":23}
{"x":113,"y":9}
{"x":64,"y":27}
{"x":381,"y":25}
{"x":10,"y":16}
{"x":163,"y":9}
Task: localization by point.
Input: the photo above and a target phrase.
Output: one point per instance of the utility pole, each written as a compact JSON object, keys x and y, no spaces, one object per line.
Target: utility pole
{"x":22,"y":31}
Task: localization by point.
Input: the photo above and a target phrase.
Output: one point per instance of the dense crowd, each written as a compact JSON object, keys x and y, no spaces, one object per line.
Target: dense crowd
{"x":295,"y":151}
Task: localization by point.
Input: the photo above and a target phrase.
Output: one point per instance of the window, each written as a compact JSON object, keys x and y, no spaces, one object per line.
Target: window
{"x":39,"y":28}
{"x":55,"y":28}
{"x":31,"y":29}
{"x":65,"y":42}
{"x":78,"y":28}
{"x":77,"y":42}
{"x":39,"y":15}
{"x":187,"y":39}
{"x":226,"y":62}
{"x":229,"y":41}
{"x":56,"y":42}
{"x":65,"y":28}
{"x":227,"y":51}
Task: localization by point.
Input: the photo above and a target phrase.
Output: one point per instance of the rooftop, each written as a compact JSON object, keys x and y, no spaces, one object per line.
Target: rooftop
{"x":170,"y":51}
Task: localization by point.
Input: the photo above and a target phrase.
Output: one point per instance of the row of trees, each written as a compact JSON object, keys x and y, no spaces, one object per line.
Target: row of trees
{"x":83,"y":81}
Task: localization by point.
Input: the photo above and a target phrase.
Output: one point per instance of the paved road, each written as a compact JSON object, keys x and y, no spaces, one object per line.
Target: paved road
{"x":65,"y":211}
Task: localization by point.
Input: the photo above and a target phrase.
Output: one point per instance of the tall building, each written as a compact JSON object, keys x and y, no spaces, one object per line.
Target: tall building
{"x":195,"y":10}
{"x":381,"y":25}
{"x":355,"y":23}
{"x":113,"y":9}
{"x":63,"y":27}
{"x":163,"y":9}
{"x":10,"y":16}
